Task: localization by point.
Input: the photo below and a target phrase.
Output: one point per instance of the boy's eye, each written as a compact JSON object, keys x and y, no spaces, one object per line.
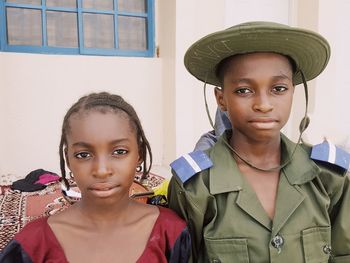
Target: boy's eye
{"x":279,"y":89}
{"x":120,"y":152}
{"x":243,"y":91}
{"x":82,"y":155}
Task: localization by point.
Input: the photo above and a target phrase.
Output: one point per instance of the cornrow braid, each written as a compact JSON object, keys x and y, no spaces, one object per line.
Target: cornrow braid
{"x":101,"y":102}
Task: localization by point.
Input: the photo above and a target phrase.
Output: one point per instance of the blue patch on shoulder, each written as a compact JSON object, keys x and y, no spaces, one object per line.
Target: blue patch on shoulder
{"x":330,"y":153}
{"x":189,"y":164}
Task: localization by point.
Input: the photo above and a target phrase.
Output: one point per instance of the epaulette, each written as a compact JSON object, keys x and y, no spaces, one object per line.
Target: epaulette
{"x":189,"y":164}
{"x":328,"y":152}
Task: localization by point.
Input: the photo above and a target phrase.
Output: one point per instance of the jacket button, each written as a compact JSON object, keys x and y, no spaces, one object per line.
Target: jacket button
{"x":327,"y":249}
{"x":277,"y":242}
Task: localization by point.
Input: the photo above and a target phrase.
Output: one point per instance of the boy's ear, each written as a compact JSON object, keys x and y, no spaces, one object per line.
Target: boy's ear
{"x":219,"y":95}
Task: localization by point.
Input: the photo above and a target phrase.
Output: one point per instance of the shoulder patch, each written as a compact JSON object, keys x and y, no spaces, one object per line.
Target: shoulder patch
{"x":328,"y":152}
{"x":189,"y":164}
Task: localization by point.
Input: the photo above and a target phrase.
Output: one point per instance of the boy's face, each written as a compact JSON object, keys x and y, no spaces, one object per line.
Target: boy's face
{"x":257,"y":94}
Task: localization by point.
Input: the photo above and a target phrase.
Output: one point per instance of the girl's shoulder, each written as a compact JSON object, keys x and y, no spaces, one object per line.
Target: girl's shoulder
{"x":35,"y":243}
{"x":169,"y":240}
{"x":167,"y":214}
{"x":168,"y":221}
{"x":35,"y":228}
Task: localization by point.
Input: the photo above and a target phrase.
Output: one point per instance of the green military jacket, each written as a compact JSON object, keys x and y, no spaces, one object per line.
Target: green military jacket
{"x":228,"y":223}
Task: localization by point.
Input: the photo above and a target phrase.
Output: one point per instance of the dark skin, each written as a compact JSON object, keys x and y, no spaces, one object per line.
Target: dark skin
{"x":105,"y":225}
{"x":257,"y":94}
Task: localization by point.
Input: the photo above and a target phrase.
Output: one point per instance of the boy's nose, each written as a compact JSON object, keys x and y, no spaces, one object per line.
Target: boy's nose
{"x":102,"y":168}
{"x":262,"y":103}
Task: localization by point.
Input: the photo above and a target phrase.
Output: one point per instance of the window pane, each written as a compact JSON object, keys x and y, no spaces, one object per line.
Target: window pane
{"x":98,"y":31}
{"x":62,"y":29}
{"x":30,"y":2}
{"x":98,"y":4}
{"x":137,"y":6}
{"x":23,"y":26}
{"x":132,"y":33}
{"x":61,"y":3}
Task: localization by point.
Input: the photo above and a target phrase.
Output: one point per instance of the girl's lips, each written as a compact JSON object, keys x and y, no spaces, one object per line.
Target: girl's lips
{"x":103,"y":190}
{"x":102,"y":186}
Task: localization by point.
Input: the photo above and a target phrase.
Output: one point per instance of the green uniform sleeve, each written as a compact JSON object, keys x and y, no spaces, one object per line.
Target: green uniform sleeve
{"x":340,"y":216}
{"x":183,"y":203}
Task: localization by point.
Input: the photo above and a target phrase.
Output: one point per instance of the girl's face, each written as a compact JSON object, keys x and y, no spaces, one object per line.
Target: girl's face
{"x":257,"y":94}
{"x":102,"y":153}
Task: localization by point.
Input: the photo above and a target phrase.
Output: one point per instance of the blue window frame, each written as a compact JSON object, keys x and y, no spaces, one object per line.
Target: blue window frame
{"x":91,"y":27}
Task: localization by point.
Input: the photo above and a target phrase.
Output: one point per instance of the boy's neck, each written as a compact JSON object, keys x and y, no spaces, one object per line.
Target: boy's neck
{"x":263,"y":154}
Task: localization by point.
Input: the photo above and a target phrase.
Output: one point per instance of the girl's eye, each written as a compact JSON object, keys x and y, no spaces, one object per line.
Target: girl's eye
{"x":120,"y":152}
{"x":243,"y":91}
{"x":82,"y":155}
{"x":279,"y":89}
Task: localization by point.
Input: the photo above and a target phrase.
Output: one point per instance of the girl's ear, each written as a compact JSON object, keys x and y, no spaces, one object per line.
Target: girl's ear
{"x":140,"y":161}
{"x":219,"y":95}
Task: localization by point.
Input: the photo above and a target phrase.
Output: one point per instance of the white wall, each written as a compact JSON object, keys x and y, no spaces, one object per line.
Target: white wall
{"x":195,"y":19}
{"x":331,"y":117}
{"x":36,"y":91}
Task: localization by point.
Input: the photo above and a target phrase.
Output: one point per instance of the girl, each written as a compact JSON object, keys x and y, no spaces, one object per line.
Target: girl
{"x":257,"y":196}
{"x":103,"y":144}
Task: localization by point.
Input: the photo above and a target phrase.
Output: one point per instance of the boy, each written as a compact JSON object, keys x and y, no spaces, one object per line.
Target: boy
{"x":256,"y":196}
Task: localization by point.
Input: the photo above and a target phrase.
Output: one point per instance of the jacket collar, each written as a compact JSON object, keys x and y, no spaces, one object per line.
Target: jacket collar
{"x":299,"y":171}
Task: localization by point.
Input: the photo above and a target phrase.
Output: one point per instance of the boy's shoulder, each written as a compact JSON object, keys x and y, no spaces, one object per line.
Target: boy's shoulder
{"x":190,"y":164}
{"x":330,"y":157}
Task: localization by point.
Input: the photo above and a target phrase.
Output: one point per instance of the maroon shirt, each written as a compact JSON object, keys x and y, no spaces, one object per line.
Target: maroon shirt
{"x":169,"y":242}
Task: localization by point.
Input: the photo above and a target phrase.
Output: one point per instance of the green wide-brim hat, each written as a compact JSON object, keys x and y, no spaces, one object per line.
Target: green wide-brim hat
{"x":309,"y":50}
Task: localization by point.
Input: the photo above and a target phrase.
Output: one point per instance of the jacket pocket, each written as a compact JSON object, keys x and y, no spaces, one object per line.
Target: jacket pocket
{"x":316,"y":244}
{"x":227,"y":250}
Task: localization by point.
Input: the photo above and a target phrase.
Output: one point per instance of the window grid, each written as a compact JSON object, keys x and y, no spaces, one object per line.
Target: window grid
{"x":149,"y":20}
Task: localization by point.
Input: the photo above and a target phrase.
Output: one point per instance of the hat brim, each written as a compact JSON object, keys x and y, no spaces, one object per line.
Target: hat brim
{"x":309,"y":50}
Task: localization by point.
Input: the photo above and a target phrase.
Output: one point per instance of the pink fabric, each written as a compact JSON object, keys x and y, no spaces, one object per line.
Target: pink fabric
{"x":47,"y":178}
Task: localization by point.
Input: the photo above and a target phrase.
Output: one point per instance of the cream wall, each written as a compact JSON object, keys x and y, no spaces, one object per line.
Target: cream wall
{"x":36,"y":90}
{"x":331,"y":117}
{"x":195,"y":19}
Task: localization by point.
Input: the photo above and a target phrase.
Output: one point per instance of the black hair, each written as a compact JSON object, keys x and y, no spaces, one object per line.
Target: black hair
{"x":102,"y":102}
{"x":224,"y":64}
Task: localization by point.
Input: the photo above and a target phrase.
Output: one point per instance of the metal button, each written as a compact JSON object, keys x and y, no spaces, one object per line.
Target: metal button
{"x":327,"y":249}
{"x":277,"y":242}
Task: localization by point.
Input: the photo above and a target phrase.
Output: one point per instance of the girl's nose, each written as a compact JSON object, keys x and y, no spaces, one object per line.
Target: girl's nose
{"x":102,"y":168}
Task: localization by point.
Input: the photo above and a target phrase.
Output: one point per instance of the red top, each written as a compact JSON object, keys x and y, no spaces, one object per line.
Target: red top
{"x":169,"y":242}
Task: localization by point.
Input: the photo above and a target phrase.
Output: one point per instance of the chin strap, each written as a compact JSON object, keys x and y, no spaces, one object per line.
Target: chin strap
{"x":206,"y":104}
{"x":304,"y":123}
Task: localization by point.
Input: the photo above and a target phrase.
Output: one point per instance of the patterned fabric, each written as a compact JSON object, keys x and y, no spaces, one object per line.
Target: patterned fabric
{"x":18,"y":208}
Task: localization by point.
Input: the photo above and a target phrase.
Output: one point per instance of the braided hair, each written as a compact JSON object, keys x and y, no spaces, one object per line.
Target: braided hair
{"x":102,"y":102}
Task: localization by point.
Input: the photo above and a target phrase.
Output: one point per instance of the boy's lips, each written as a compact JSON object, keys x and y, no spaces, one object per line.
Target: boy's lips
{"x":264,"y":122}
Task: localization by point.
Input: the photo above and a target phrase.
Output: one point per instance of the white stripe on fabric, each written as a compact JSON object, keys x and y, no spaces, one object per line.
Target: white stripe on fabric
{"x":192,"y":163}
{"x":332,"y":152}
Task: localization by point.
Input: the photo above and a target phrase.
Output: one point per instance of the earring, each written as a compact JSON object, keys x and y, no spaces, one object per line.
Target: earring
{"x":138,"y":168}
